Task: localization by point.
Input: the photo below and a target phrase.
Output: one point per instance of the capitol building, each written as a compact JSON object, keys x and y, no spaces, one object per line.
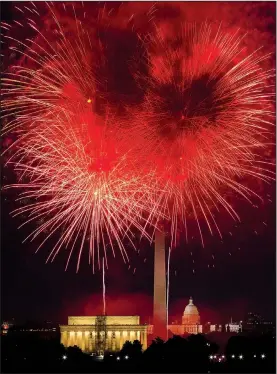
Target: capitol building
{"x":190,"y":321}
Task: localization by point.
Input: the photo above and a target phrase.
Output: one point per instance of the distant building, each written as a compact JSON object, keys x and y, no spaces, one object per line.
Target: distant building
{"x":233,"y":326}
{"x":255,"y":323}
{"x":34,"y":329}
{"x":215,"y":328}
{"x":5,"y":327}
{"x":190,"y":321}
{"x":97,"y":334}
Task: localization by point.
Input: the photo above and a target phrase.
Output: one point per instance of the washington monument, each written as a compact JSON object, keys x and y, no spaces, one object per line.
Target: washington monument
{"x":160,"y":314}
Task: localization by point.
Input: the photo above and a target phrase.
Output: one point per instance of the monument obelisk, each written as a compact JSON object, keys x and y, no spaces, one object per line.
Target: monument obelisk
{"x":159,"y":314}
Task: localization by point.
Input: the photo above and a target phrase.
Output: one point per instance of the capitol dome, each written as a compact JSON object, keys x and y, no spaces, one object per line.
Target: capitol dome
{"x":191,"y":314}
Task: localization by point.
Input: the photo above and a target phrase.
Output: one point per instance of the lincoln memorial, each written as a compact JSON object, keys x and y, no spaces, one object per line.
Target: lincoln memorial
{"x":104,"y":333}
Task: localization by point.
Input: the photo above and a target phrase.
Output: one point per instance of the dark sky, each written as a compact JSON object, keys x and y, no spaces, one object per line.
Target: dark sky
{"x":227,"y":278}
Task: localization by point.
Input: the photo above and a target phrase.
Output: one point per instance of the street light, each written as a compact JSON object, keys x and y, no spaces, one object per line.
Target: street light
{"x":240,"y":357}
{"x":263,"y":355}
{"x":64,"y":357}
{"x":126,"y":357}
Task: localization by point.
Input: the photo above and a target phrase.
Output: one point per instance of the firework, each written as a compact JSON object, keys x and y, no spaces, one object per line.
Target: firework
{"x":82,"y":178}
{"x":81,"y":184}
{"x":97,"y":161}
{"x":205,"y":121}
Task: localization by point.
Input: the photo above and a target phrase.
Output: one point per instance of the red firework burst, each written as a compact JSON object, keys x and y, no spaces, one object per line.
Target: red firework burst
{"x":205,"y":121}
{"x":100,"y":160}
{"x":70,"y":156}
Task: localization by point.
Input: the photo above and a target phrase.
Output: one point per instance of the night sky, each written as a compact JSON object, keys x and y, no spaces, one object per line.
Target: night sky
{"x":226,"y":278}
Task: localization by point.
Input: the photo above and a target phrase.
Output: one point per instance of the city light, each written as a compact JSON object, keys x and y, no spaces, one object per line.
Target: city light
{"x":233,"y":356}
{"x":255,"y":356}
{"x":263,"y":355}
{"x":126,"y":357}
{"x":118,"y":358}
{"x":240,"y":357}
{"x":64,"y":357}
{"x":211,"y":357}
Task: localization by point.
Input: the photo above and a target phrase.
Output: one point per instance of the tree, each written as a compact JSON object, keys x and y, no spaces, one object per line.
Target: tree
{"x":74,"y":353}
{"x":155,"y":351}
{"x":175,"y":349}
{"x":132,"y":350}
{"x":199,"y":349}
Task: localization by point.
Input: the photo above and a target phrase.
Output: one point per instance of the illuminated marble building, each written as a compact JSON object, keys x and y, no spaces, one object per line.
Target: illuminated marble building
{"x":190,"y":321}
{"x":102,"y":333}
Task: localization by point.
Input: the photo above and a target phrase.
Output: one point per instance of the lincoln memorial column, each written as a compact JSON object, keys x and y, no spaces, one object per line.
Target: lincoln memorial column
{"x":86,"y":340}
{"x":143,"y":340}
{"x":120,"y":339}
{"x":83,"y":341}
{"x":64,"y":338}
